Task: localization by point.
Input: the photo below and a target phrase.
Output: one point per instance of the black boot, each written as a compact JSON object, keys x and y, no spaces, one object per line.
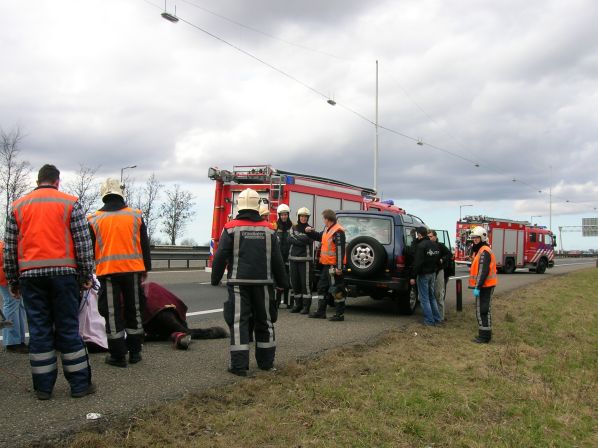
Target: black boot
{"x":298,"y":304}
{"x":321,"y":311}
{"x":306,"y":305}
{"x":339,"y":312}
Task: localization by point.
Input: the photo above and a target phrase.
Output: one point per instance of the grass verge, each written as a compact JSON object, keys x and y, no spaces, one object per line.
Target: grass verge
{"x":535,"y":385}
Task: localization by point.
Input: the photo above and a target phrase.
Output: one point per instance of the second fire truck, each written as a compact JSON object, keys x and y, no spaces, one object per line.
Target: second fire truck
{"x":516,"y":244}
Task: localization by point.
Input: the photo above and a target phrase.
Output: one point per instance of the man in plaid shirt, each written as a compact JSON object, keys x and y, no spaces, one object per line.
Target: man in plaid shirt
{"x":48,"y":258}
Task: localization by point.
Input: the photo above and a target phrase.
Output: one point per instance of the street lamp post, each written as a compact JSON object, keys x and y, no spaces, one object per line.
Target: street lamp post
{"x":122,"y":170}
{"x":461,"y":206}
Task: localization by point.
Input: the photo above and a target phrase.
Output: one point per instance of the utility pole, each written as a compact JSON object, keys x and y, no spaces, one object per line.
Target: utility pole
{"x":376,"y":147}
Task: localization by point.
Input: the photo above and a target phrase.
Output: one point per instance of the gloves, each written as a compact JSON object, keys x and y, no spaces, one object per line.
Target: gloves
{"x":476,"y":293}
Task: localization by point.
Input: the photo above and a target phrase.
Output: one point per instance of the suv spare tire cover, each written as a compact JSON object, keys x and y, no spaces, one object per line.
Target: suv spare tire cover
{"x":365,"y":256}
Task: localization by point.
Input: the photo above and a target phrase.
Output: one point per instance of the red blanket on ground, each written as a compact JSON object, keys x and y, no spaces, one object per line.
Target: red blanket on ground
{"x":159,"y":298}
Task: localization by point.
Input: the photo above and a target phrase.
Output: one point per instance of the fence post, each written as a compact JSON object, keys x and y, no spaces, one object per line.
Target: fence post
{"x":597,"y":262}
{"x":459,"y":287}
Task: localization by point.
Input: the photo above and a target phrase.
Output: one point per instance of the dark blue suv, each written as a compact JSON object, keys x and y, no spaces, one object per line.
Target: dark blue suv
{"x":378,"y":255}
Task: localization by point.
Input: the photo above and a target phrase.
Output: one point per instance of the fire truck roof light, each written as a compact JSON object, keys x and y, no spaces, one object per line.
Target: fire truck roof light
{"x":289,"y":180}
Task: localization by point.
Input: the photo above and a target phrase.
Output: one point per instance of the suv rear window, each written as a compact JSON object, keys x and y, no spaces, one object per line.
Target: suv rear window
{"x":378,"y":228}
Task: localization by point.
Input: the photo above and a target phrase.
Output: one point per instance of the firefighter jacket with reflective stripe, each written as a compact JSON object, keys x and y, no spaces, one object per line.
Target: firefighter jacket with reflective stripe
{"x":301,"y":245}
{"x":3,"y":281}
{"x":283,"y":234}
{"x":483,"y":269}
{"x":332,"y":250}
{"x":43,"y":220}
{"x":248,"y":248}
{"x":117,"y":241}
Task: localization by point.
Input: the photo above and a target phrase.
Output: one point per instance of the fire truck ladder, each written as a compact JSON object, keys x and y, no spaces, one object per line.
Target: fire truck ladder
{"x":275,"y":193}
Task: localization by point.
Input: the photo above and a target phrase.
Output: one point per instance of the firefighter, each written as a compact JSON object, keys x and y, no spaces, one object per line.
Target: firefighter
{"x":301,"y":263}
{"x":283,"y":231}
{"x":265,"y":212}
{"x":332,"y":259}
{"x":482,"y":279}
{"x":249,"y":249}
{"x":122,"y":254}
{"x":48,"y":257}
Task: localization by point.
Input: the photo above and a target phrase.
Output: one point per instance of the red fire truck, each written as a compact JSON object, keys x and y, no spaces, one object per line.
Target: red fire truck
{"x":284,"y":187}
{"x":516,"y":244}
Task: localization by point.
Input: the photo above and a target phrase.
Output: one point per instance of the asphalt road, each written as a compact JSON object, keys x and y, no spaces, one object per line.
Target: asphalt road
{"x":166,"y":374}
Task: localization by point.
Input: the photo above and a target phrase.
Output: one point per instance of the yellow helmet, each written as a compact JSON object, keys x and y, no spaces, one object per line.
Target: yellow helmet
{"x":283,"y":208}
{"x":264,"y":210}
{"x":111,"y":186}
{"x":479,"y":232}
{"x":248,"y":199}
{"x":303,"y":211}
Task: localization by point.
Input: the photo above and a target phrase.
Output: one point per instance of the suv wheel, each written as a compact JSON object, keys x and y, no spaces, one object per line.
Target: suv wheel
{"x":365,"y":256}
{"x":407,"y":302}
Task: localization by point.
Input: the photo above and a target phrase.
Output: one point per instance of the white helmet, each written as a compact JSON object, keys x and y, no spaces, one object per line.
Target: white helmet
{"x":248,"y":199}
{"x":111,"y":186}
{"x":480,"y":232}
{"x":264,"y":210}
{"x":303,"y":211}
{"x":283,"y":208}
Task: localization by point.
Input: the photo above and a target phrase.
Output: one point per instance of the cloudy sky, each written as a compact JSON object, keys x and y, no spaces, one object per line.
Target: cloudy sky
{"x":510,"y":86}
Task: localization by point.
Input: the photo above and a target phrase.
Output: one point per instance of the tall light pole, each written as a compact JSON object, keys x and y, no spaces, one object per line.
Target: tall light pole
{"x":122,"y":170}
{"x":376,"y":146}
{"x":531,"y":219}
{"x":461,"y":206}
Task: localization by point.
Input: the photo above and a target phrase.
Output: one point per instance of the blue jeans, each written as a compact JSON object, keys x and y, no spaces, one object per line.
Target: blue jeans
{"x":13,"y":310}
{"x":425,"y":290}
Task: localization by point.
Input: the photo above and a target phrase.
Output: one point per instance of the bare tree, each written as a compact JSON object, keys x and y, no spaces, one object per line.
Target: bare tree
{"x":14,"y":173}
{"x":85,"y":187}
{"x":176,"y":212}
{"x":145,"y":199}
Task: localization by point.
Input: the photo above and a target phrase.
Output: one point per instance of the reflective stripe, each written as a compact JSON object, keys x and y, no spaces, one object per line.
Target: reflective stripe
{"x":295,"y":258}
{"x":134,"y":330}
{"x":119,"y":257}
{"x":234,"y":281}
{"x":47,"y":263}
{"x":269,"y":323}
{"x":39,"y":370}
{"x":268,"y":258}
{"x":307,"y":277}
{"x":266,"y":344}
{"x":42,"y":356}
{"x":239,"y":348}
{"x":119,"y":335}
{"x":73,"y":355}
{"x":237,"y":318}
{"x":236,"y":244}
{"x":75,"y":367}
{"x":111,"y":314}
{"x":138,"y":321}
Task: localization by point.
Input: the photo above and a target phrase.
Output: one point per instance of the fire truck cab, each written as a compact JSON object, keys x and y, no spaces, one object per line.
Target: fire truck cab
{"x":516,"y":244}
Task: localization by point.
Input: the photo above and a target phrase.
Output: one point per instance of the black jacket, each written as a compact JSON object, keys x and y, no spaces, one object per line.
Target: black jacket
{"x":427,"y":257}
{"x":301,"y":245}
{"x":283,"y":233}
{"x":254,"y":259}
{"x":445,"y":257}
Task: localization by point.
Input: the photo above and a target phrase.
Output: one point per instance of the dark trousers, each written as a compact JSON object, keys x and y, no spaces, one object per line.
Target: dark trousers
{"x":285,"y":292}
{"x":249,"y":305}
{"x":484,"y":313}
{"x":52,"y":306}
{"x":121,"y":303}
{"x":326,"y":283}
{"x":300,"y":276}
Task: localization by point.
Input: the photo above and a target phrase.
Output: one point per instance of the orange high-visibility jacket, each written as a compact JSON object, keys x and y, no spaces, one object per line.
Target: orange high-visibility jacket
{"x":43,"y":219}
{"x":492,"y":278}
{"x":118,"y":241}
{"x":328,"y":248}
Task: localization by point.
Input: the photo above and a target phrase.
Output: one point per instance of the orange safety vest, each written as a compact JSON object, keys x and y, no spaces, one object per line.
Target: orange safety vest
{"x":3,"y":281}
{"x":43,"y":219}
{"x":118,"y":241}
{"x":492,"y":278}
{"x":328,"y":248}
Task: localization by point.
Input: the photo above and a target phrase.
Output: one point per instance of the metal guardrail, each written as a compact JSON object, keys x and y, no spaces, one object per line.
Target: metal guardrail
{"x":181,"y":253}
